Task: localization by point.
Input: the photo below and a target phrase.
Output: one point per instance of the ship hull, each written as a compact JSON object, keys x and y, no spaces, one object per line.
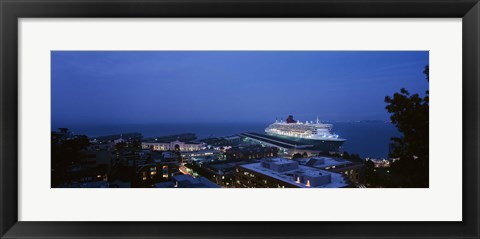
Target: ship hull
{"x":322,"y":145}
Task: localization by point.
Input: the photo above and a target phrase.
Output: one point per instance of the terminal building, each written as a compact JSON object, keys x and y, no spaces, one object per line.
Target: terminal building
{"x":286,"y":147}
{"x":285,"y":173}
{"x":267,"y":140}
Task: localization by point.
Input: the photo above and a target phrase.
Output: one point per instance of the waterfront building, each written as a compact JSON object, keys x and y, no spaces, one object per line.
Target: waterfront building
{"x":187,"y":137}
{"x":173,"y":146}
{"x":285,"y":173}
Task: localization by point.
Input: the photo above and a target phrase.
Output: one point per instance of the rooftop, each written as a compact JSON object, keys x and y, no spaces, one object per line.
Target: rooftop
{"x":278,"y":161}
{"x":323,"y":162}
{"x":291,"y":176}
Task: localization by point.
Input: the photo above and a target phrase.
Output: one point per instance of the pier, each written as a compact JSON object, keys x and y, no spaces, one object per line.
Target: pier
{"x":275,"y":141}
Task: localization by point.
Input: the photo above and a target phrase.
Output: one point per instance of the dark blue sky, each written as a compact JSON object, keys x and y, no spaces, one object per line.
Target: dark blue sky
{"x":133,"y":87}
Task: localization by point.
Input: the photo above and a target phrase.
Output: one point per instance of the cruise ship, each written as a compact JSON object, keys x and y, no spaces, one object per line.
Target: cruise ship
{"x":313,"y":133}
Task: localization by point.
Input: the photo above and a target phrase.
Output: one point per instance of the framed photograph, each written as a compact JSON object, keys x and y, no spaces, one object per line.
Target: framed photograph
{"x":227,"y":119}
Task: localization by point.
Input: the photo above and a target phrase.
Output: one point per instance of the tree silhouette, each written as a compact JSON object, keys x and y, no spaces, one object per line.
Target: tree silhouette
{"x":120,"y":146}
{"x":136,"y":144}
{"x":409,"y":113}
{"x":297,"y":156}
{"x":370,"y":175}
{"x":65,"y":153}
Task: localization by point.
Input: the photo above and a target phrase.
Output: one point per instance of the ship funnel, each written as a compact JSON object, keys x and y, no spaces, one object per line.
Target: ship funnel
{"x":291,"y":120}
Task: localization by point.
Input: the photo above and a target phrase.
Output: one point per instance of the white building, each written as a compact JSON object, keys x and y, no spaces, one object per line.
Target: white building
{"x":183,"y":147}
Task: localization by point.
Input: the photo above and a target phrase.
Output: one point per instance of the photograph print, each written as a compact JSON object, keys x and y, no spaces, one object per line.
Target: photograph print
{"x":240,"y":119}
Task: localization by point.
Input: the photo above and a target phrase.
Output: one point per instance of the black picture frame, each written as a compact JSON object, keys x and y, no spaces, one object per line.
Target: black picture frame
{"x":11,"y":11}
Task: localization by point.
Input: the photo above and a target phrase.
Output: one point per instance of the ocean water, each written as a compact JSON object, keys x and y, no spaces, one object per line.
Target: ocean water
{"x":369,"y":139}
